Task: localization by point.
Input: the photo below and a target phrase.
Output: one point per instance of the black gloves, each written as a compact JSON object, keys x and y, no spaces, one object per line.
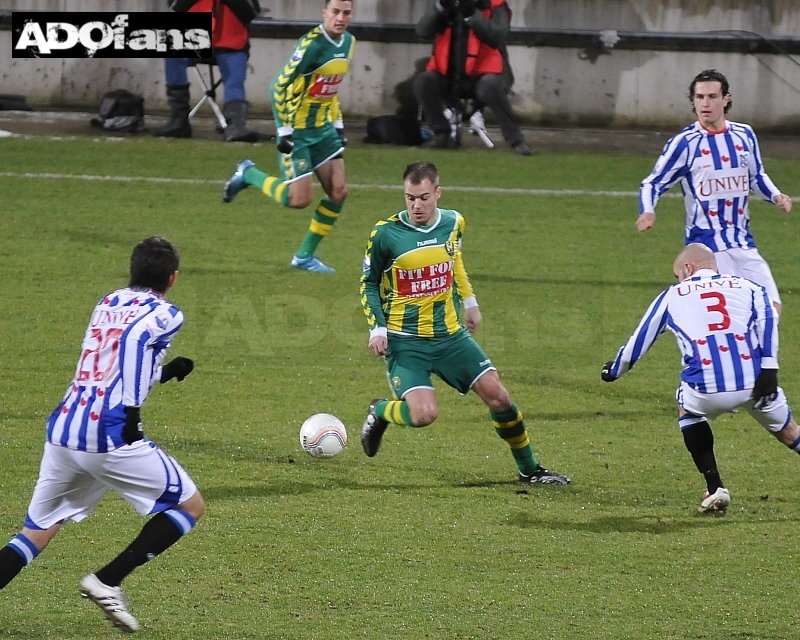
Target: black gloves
{"x":133,"y":431}
{"x":342,"y":137}
{"x":765,"y":389}
{"x":605,"y":372}
{"x":446,"y":6}
{"x":285,"y":144}
{"x":178,"y":368}
{"x":467,"y":7}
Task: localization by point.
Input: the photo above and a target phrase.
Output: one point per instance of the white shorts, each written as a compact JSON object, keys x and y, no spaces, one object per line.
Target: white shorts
{"x":72,"y":483}
{"x":774,"y":417}
{"x":749,"y":264}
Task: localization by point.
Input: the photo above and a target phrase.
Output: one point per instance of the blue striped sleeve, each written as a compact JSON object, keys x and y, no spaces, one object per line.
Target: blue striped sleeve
{"x":670,"y":167}
{"x":766,"y":328}
{"x":651,"y":326}
{"x":760,"y":182}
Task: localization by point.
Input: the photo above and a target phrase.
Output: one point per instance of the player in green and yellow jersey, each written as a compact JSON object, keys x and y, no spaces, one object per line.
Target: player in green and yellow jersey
{"x":421,"y":311}
{"x":310,"y":131}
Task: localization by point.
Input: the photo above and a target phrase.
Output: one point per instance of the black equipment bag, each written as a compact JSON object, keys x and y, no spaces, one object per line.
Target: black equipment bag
{"x":120,"y":110}
{"x":12,"y":102}
{"x":394,"y":129}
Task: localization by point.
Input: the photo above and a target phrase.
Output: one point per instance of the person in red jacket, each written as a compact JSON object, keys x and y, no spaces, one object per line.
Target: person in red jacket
{"x":469,"y":58}
{"x":231,"y":43}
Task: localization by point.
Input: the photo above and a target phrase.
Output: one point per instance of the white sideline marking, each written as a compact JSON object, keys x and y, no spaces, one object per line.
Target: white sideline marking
{"x":384,"y":187}
{"x":69,"y":176}
{"x":524,"y":192}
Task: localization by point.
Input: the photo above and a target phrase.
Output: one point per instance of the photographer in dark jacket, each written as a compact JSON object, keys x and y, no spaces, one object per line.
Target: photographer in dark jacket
{"x":469,"y":60}
{"x":231,"y":43}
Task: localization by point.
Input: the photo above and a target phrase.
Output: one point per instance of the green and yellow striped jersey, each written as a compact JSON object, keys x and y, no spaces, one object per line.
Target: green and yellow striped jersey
{"x":414,"y":277}
{"x":305,"y":92}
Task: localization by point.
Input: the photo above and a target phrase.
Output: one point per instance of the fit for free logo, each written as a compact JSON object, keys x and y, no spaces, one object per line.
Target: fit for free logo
{"x":110,"y":35}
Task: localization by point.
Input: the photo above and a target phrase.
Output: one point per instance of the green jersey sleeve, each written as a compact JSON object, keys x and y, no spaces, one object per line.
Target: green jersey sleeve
{"x":287,"y":87}
{"x":372,"y":279}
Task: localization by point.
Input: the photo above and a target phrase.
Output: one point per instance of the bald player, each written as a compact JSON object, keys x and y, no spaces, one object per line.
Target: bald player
{"x":727,"y":332}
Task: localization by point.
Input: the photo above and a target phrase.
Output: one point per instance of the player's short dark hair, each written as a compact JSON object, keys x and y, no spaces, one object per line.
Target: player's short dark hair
{"x":327,"y":2}
{"x":416,"y":172}
{"x":153,"y":262}
{"x":711,"y":75}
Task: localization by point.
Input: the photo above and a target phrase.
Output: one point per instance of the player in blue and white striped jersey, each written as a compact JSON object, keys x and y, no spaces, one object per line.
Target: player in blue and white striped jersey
{"x":95,"y":441}
{"x":727,"y":332}
{"x":120,"y":361}
{"x":717,"y":163}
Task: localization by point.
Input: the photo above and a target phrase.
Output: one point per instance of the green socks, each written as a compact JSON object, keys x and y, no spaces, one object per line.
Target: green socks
{"x":394,"y":411}
{"x":273,"y":187}
{"x":510,"y":426}
{"x":325,"y":216}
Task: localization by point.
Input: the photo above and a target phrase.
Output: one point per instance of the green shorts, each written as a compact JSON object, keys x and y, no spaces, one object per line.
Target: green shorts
{"x":456,"y":359}
{"x":312,"y":148}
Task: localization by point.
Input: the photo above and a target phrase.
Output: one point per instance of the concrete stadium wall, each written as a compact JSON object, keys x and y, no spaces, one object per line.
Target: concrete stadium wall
{"x":553,"y":85}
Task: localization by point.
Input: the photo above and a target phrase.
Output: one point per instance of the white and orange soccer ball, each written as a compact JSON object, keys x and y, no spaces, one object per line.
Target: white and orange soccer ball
{"x":323,"y":436}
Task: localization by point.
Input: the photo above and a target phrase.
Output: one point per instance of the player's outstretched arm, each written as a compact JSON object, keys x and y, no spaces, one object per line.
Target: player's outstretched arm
{"x":652,"y":324}
{"x":645,"y":221}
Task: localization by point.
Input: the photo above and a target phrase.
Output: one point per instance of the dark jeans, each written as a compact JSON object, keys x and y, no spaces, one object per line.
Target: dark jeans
{"x":432,"y":88}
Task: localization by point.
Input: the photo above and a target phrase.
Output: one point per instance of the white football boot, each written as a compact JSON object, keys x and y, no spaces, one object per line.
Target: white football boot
{"x":716,"y":502}
{"x":111,"y":600}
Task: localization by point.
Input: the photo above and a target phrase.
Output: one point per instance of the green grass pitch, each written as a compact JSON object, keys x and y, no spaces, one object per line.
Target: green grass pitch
{"x":433,"y":538}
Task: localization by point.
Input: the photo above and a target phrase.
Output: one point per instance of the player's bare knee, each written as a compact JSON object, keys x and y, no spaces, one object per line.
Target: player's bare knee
{"x":499,"y":400}
{"x":338,"y":194}
{"x":299,"y":202}
{"x":194,"y":506}
{"x":425,"y":416}
{"x":41,"y":537}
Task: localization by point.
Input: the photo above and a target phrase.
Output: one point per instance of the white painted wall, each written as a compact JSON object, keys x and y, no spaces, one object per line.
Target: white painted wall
{"x":625,"y":88}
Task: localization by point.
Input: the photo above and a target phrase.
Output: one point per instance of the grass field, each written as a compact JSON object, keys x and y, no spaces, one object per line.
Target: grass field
{"x":433,"y":538}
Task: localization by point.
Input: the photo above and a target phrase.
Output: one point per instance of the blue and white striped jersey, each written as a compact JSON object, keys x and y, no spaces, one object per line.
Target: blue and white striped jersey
{"x":121,"y":355}
{"x":716,"y":171}
{"x":725,"y":327}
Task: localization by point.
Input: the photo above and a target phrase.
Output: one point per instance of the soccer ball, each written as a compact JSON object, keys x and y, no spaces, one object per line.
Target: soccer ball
{"x":323,"y":436}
